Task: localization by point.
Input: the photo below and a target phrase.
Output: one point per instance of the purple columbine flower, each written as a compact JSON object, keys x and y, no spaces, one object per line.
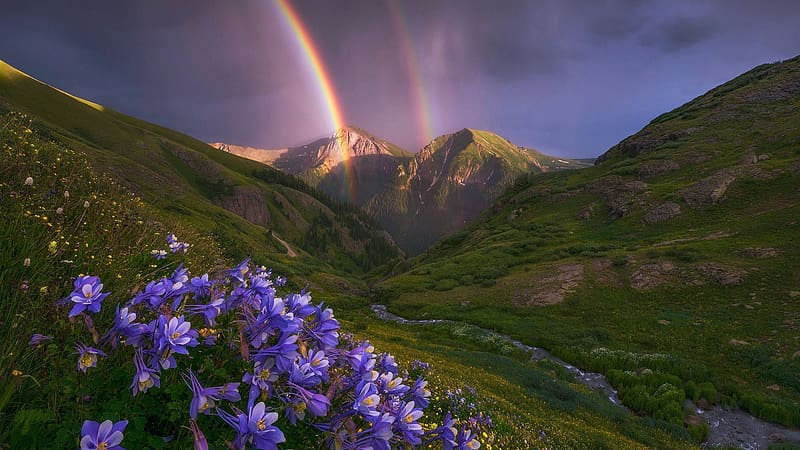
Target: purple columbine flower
{"x":392,"y":384}
{"x":200,"y":442}
{"x":203,"y":398}
{"x":87,"y":357}
{"x":407,"y":425}
{"x":145,"y":377}
{"x":177,"y":335}
{"x":255,"y":426}
{"x":102,"y":436}
{"x":378,"y":436}
{"x":367,"y":400}
{"x":420,"y":393}
{"x":238,"y":272}
{"x":201,"y":286}
{"x":87,"y":295}
{"x":264,"y":374}
{"x":316,"y":363}
{"x":37,"y":339}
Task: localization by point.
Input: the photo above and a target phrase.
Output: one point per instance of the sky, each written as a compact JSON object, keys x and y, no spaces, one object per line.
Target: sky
{"x":571,"y":78}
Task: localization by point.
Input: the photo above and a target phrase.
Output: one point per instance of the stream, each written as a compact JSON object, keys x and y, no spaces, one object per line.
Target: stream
{"x":727,"y":426}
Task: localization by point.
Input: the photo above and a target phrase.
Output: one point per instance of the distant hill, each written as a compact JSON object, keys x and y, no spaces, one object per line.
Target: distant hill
{"x":249,"y":206}
{"x":683,"y":240}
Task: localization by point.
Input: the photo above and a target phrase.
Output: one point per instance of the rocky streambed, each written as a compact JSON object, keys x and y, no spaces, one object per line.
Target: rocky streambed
{"x":727,"y":426}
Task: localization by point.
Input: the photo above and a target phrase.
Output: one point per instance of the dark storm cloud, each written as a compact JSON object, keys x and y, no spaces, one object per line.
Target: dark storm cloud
{"x":571,"y":77}
{"x":680,"y":33}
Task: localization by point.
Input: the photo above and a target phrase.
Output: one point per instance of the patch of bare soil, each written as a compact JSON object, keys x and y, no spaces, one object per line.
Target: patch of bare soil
{"x":550,"y":288}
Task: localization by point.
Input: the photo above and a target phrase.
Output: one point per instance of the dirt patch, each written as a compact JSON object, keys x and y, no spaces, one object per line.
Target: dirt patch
{"x":550,"y":288}
{"x":605,"y":273}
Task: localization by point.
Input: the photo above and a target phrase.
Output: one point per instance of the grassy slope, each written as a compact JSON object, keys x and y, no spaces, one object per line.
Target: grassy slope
{"x":183,"y":176}
{"x":489,"y":269}
{"x":112,"y":239}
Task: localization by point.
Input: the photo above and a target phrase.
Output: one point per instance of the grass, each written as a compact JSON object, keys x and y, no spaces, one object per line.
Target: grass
{"x":483,"y":273}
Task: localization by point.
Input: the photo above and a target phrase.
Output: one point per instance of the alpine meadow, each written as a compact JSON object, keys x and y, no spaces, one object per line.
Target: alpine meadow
{"x":391,"y":279}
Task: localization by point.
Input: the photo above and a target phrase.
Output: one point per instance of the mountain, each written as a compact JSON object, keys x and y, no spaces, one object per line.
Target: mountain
{"x":418,"y":198}
{"x":353,"y":175}
{"x":253,"y":209}
{"x":673,"y":261}
{"x":449,"y":182}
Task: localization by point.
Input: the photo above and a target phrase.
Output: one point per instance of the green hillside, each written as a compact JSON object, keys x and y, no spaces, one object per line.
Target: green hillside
{"x":84,"y":190}
{"x":681,"y":241}
{"x":241,"y":202}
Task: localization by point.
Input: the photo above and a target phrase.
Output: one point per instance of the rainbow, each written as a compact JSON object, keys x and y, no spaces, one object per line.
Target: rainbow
{"x":417,"y":85}
{"x":325,"y":85}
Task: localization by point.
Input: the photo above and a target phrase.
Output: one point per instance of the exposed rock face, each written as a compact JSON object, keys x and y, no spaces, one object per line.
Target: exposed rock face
{"x":325,"y":154}
{"x":649,"y":169}
{"x":721,"y":274}
{"x":759,"y":252}
{"x":248,"y":202}
{"x":586,"y":212}
{"x":663,"y":212}
{"x":708,"y":191}
{"x":621,"y":196}
{"x":649,"y":276}
{"x":550,"y":289}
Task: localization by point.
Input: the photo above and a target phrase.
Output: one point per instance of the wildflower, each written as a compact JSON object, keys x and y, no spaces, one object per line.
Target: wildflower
{"x":420,"y":393}
{"x":407,"y":424}
{"x":159,"y":254}
{"x":26,"y":262}
{"x":392,"y":384}
{"x":16,"y":373}
{"x":255,"y":426}
{"x":203,"y":398}
{"x":52,"y":246}
{"x":59,"y":210}
{"x":200,"y":442}
{"x":37,"y":339}
{"x":177,"y":334}
{"x":66,"y":194}
{"x":145,"y":377}
{"x":102,"y":436}
{"x":86,"y":295}
{"x":367,"y":400}
{"x":86,"y":204}
{"x":87,"y":357}
{"x":29,"y":181}
{"x":262,"y":378}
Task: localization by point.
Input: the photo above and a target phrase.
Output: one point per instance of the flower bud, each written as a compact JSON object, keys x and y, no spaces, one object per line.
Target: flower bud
{"x":60,"y":210}
{"x":29,"y":181}
{"x":66,"y":194}
{"x":26,"y":262}
{"x":86,"y":204}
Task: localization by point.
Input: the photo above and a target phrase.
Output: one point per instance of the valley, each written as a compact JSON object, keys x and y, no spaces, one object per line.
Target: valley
{"x":664,"y":276}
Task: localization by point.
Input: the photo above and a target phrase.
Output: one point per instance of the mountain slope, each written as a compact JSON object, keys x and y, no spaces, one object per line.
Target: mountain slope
{"x":447,"y":184}
{"x":681,"y":241}
{"x":242,"y":202}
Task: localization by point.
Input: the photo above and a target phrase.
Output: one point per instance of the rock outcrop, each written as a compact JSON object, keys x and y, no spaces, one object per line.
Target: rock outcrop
{"x":709,"y":190}
{"x":663,"y":212}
